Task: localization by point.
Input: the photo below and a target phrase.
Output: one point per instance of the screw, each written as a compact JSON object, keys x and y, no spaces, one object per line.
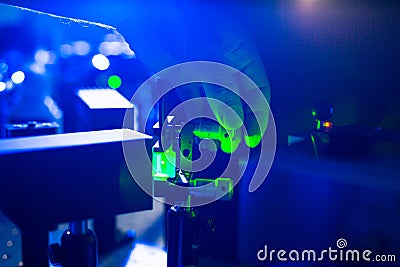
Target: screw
{"x":14,"y":232}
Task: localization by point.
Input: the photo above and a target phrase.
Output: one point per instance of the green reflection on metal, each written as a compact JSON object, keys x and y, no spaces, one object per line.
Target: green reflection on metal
{"x":163,"y":165}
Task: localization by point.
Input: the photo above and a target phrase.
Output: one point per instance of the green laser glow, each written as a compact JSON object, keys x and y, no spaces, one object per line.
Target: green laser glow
{"x":164,"y":165}
{"x":314,"y":147}
{"x":114,"y":81}
{"x":252,"y":140}
{"x":229,"y":142}
{"x":318,"y":124}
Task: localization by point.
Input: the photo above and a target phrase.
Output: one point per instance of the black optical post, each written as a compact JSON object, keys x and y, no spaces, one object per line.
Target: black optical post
{"x":183,"y":223}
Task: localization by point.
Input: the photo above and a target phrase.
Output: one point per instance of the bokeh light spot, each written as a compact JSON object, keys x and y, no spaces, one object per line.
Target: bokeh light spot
{"x":114,"y":81}
{"x":18,"y":77}
{"x":100,"y":62}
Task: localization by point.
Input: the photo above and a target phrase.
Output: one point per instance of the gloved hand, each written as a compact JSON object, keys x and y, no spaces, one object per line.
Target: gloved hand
{"x":169,"y":34}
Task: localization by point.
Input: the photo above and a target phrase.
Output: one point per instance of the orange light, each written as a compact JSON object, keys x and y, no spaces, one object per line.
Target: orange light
{"x":327,"y":124}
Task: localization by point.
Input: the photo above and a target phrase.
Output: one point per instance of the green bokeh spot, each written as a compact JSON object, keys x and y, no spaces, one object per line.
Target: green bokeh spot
{"x":114,"y":81}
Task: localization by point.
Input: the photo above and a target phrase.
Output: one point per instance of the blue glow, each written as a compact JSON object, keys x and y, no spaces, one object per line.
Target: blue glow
{"x":2,"y":86}
{"x":42,"y":57}
{"x":81,"y":48}
{"x":18,"y":77}
{"x":37,"y":68}
{"x":53,"y":108}
{"x":146,"y":255}
{"x":3,"y":67}
{"x":100,"y":62}
{"x":9,"y":84}
{"x":116,"y":48}
{"x":66,"y":50}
